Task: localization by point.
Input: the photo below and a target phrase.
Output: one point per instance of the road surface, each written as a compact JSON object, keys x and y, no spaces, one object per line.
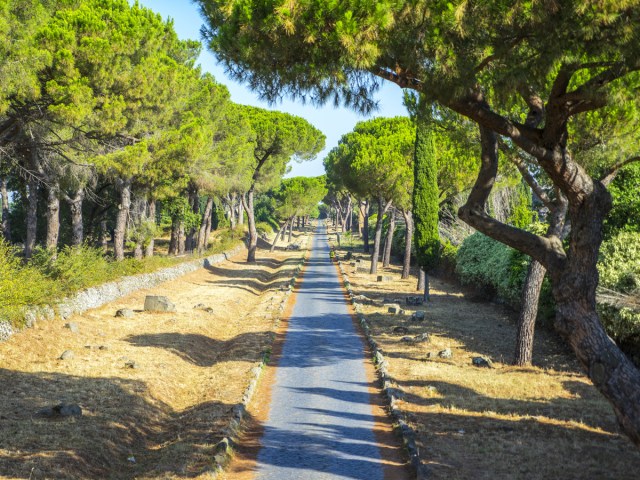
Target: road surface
{"x":320,"y":424}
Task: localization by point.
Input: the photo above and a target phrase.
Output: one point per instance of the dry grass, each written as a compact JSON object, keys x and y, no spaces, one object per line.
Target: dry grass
{"x":542,"y":422}
{"x":160,"y":419}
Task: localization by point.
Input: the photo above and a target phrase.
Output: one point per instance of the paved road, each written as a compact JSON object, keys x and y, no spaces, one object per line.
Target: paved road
{"x":320,"y":424}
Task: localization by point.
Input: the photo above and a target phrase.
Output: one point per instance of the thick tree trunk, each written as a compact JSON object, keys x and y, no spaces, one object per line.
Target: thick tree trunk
{"x":408,"y":237}
{"x":32,"y":215}
{"x":422,"y":280}
{"x":205,"y":225}
{"x":53,"y":216}
{"x":382,"y":208}
{"x":152,"y":217}
{"x":124,"y":187}
{"x":386,"y":257}
{"x":6,"y":225}
{"x":240,"y":213}
{"x":77,"y":227}
{"x":174,"y":239}
{"x":528,"y":313}
{"x":182,"y":239}
{"x":247,"y":203}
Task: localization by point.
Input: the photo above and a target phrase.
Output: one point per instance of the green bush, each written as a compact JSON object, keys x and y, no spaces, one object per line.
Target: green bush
{"x":21,"y":286}
{"x":265,"y":228}
{"x":619,"y":269}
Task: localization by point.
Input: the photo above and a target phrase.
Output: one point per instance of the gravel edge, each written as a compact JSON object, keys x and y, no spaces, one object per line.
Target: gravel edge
{"x":224,"y":449}
{"x":97,"y":296}
{"x":382,"y":367}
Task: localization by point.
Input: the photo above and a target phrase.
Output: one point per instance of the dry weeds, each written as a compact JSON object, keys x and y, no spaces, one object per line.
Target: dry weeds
{"x":160,"y":419}
{"x":543,"y":422}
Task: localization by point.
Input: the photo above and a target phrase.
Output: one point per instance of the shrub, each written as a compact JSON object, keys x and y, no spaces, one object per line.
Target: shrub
{"x":21,"y":286}
{"x":265,"y":228}
{"x":619,"y":269}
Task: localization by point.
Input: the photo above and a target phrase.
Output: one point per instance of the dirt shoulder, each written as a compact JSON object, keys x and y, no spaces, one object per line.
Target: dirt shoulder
{"x":542,"y":422}
{"x":156,"y":390}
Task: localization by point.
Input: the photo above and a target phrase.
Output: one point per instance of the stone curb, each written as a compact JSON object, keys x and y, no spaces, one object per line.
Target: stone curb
{"x":107,"y":292}
{"x":224,"y":448}
{"x":407,"y":433}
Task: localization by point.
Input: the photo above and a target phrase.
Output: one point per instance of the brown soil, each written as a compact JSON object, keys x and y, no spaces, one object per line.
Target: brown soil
{"x":546,"y":421}
{"x":162,"y":418}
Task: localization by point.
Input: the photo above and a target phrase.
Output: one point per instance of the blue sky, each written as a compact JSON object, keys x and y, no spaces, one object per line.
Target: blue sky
{"x":333,"y":122}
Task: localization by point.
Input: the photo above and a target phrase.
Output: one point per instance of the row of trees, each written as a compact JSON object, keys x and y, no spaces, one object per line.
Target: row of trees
{"x":102,"y":108}
{"x":536,"y":78}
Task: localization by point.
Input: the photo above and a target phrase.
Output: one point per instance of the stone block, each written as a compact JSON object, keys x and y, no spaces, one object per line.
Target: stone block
{"x":157,"y":303}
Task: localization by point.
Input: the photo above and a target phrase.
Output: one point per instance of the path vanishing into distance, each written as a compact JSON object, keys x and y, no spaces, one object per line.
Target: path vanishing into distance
{"x":321,"y":424}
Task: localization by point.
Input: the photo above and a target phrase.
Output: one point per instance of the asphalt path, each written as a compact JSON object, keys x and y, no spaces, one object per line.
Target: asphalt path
{"x":320,"y":424}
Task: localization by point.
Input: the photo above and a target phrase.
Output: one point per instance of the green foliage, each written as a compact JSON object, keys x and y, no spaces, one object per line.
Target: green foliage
{"x":625,"y":214}
{"x":265,"y":228}
{"x":425,"y":198}
{"x":485,"y":262}
{"x":619,"y":269}
{"x":619,"y":265}
{"x":22,"y":285}
{"x":522,"y":212}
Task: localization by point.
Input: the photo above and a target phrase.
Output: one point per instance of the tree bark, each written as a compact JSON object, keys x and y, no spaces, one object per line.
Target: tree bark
{"x":386,"y":257}
{"x":279,"y":235}
{"x":32,"y":215}
{"x":124,"y":187}
{"x":247,"y":203}
{"x":382,"y":208}
{"x":174,"y":239}
{"x":365,"y":225}
{"x":205,"y":225}
{"x":77,"y":227}
{"x":528,"y":313}
{"x":421,"y":280}
{"x":152,"y":217}
{"x":182,"y":239}
{"x":191,"y":235}
{"x":104,"y":236}
{"x":408,"y":237}
{"x":290,"y":230}
{"x":6,"y":225}
{"x":53,"y":216}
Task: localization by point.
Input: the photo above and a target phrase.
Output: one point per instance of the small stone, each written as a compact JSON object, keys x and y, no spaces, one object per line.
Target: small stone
{"x":393,"y":308}
{"x":125,"y":312}
{"x":446,"y":353}
{"x":103,"y":347}
{"x":199,"y":305}
{"x":30,"y":319}
{"x":385,"y":278}
{"x":414,"y":301}
{"x":421,"y":338}
{"x":407,"y":339}
{"x":418,"y":316}
{"x":401,"y":330}
{"x":131,"y":364}
{"x":73,"y":326}
{"x":481,"y":362}
{"x":208,"y":310}
{"x":67,"y":355}
{"x":158,"y":303}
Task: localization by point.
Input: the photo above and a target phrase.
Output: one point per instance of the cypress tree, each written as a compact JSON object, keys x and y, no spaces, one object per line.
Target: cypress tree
{"x":425,"y":201}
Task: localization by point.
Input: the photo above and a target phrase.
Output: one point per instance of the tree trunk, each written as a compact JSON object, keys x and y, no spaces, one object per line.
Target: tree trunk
{"x":77,"y":227}
{"x":279,"y":235}
{"x":152,"y":217}
{"x":426,"y":297}
{"x":231,"y":210}
{"x":240,"y":213}
{"x":124,"y":187}
{"x":528,"y":313}
{"x":174,"y":240}
{"x":32,"y":215}
{"x":247,"y":203}
{"x":290,"y":230}
{"x":386,"y":257}
{"x":408,"y":237}
{"x":365,"y":225}
{"x":205,"y":224}
{"x":6,"y":225}
{"x":53,"y":216}
{"x":421,"y":280}
{"x":182,"y":239}
{"x":382,"y":208}
{"x":103,"y":236}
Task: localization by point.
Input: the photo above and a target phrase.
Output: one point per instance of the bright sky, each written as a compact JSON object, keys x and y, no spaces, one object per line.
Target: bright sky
{"x":333,"y":122}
